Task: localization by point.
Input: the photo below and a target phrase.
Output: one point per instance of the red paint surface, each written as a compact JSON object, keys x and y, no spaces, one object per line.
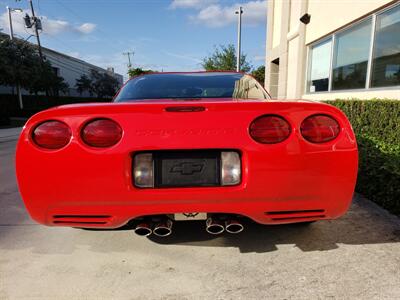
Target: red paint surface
{"x":289,"y":176}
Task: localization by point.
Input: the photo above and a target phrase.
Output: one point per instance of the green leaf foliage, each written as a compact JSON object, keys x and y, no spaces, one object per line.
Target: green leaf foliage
{"x":224,"y":59}
{"x":259,"y":74}
{"x":103,"y":85}
{"x":133,"y":72}
{"x":376,"y":124}
{"x":21,"y":64}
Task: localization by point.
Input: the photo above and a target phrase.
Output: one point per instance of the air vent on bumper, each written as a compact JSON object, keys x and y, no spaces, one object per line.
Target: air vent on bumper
{"x":76,"y":220}
{"x":298,"y":215}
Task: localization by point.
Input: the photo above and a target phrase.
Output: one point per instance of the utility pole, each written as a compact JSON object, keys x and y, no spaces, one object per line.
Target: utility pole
{"x":38,"y":25}
{"x":239,"y":38}
{"x":129,"y":57}
{"x":10,"y":10}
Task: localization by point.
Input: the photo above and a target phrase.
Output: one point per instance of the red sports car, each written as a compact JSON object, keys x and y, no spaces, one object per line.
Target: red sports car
{"x":174,"y":147}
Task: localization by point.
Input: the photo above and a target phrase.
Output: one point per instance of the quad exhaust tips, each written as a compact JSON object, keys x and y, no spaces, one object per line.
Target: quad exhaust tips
{"x":143,"y":229}
{"x":233,"y":226}
{"x":163,"y":229}
{"x":214,"y":226}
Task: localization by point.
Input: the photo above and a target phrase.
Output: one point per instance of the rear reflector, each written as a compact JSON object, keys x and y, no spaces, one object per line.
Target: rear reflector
{"x":270,"y":129}
{"x":319,"y":129}
{"x":52,"y":135}
{"x":101,"y":133}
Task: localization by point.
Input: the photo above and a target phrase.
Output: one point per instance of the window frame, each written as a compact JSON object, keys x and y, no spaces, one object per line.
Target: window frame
{"x":309,"y":63}
{"x":333,"y":39}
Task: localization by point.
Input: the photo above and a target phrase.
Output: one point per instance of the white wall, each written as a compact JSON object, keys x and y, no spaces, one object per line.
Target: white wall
{"x":72,"y":69}
{"x":329,"y":15}
{"x":389,"y":93}
{"x":277,"y":17}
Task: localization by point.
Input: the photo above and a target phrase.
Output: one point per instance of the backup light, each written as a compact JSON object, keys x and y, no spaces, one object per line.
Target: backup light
{"x":143,"y":170}
{"x":231,"y":171}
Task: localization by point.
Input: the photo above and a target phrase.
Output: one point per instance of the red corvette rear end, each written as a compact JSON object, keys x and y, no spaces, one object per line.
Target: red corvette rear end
{"x":152,"y":162}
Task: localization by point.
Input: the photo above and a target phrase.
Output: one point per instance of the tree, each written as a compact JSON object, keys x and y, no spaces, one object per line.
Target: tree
{"x":224,"y":59}
{"x":138,"y":71}
{"x":84,"y":83}
{"x":46,"y":80}
{"x":100,"y":84}
{"x":259,"y":74}
{"x":58,"y":85}
{"x":20,"y":63}
{"x":104,"y":85}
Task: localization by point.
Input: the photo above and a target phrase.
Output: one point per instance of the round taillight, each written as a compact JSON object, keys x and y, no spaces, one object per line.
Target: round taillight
{"x":101,"y":133}
{"x":319,"y":129}
{"x":270,"y":129}
{"x":51,"y":135}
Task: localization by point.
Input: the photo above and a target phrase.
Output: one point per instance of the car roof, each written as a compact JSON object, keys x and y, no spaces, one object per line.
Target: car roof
{"x":205,"y":73}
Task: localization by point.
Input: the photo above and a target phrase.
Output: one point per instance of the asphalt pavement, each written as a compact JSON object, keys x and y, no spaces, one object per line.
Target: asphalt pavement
{"x":354,"y":257}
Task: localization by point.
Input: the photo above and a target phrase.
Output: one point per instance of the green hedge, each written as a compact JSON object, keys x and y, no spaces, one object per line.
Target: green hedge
{"x":376,"y":124}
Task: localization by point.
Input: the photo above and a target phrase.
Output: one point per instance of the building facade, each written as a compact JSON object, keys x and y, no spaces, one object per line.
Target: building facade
{"x":339,"y":49}
{"x":69,"y":68}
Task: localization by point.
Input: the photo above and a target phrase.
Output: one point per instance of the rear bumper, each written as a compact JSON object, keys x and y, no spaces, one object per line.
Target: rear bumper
{"x":93,"y":191}
{"x":263,"y":212}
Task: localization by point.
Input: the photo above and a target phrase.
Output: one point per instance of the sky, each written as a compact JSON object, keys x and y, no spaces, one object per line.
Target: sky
{"x":165,"y":35}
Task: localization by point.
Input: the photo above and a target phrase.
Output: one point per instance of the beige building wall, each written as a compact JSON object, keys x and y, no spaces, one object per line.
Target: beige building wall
{"x":288,"y":42}
{"x":329,"y":15}
{"x":277,"y":10}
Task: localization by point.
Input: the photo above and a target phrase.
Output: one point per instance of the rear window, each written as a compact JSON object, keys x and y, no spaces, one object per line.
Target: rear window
{"x":191,"y":86}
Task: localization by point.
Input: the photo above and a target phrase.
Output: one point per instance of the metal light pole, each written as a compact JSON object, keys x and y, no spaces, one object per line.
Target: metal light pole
{"x":239,"y":38}
{"x":10,"y":10}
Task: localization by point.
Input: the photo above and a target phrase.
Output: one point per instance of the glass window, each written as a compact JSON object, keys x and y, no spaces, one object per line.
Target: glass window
{"x":319,"y":67}
{"x":191,"y":86}
{"x":351,"y":54}
{"x":386,"y":56}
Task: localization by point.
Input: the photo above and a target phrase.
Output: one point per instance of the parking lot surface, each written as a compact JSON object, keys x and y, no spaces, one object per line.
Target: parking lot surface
{"x":355,"y":257}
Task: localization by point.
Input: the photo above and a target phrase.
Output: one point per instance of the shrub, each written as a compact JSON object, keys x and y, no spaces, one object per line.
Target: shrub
{"x":376,"y":124}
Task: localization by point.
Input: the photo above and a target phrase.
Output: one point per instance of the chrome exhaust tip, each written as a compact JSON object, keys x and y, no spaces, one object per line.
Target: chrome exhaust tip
{"x":163,"y":229}
{"x":233,"y":226}
{"x":214,"y":226}
{"x":143,"y":229}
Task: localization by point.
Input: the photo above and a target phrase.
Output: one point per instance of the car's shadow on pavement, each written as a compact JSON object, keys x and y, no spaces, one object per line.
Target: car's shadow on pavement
{"x":365,"y":223}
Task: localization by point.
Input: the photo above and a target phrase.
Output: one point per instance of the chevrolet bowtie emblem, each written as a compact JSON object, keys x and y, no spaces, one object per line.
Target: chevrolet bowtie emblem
{"x":187,"y":168}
